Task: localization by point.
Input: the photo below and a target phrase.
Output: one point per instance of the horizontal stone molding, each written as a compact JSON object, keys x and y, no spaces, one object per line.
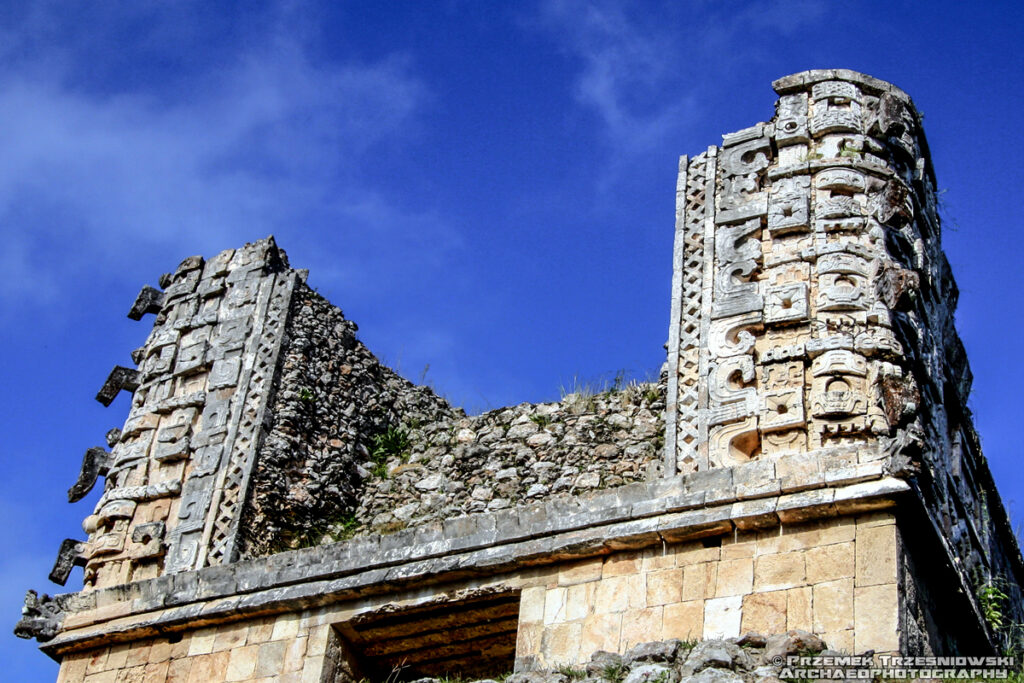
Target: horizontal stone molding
{"x":630,"y":517}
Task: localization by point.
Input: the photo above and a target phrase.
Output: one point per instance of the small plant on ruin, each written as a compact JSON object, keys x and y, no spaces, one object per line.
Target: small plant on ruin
{"x":651,"y":395}
{"x":846,"y":150}
{"x":578,"y":397}
{"x":345,"y":528}
{"x":688,"y":645}
{"x":305,"y":395}
{"x":617,"y":384}
{"x":572,"y":673}
{"x":392,"y":442}
{"x":541,"y":421}
{"x":614,"y":673}
{"x":991,"y":599}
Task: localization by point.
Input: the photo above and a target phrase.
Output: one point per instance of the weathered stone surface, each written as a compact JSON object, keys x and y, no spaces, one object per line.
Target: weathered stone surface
{"x":271,"y":465}
{"x":41,"y":617}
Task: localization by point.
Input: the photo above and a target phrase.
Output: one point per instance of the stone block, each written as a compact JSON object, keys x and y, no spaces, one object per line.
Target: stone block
{"x":735,"y":577}
{"x":286,"y":626}
{"x":201,"y":642}
{"x":318,"y":638}
{"x":683,"y":620}
{"x":832,"y":603}
{"x":312,"y":670}
{"x":696,"y":553}
{"x":830,"y":562}
{"x":764,"y":613}
{"x":601,"y":632}
{"x":156,"y":673}
{"x":640,"y":626}
{"x":528,"y":639}
{"x":876,"y":555}
{"x":658,"y":558}
{"x":560,"y":644}
{"x":665,"y":586}
{"x":178,"y":670}
{"x":230,"y":637}
{"x":798,"y":609}
{"x":722,"y":617}
{"x":211,"y":667}
{"x":260,"y":632}
{"x":554,"y":605}
{"x":531,"y":605}
{"x":138,"y":654}
{"x":579,"y":600}
{"x":159,"y":651}
{"x":876,"y":618}
{"x":269,"y":658}
{"x":294,"y":653}
{"x":118,"y":656}
{"x":612,"y":595}
{"x":699,"y":580}
{"x":72,"y":668}
{"x":620,"y":564}
{"x":745,"y":545}
{"x":840,"y":640}
{"x":581,"y":572}
{"x":242,"y":663}
{"x":778,"y":571}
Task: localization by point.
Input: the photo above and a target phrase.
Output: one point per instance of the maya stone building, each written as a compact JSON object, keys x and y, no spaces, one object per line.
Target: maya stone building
{"x":280,"y":506}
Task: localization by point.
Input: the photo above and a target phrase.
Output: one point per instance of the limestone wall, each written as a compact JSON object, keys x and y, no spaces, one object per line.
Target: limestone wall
{"x":282,"y":648}
{"x":834,"y":578}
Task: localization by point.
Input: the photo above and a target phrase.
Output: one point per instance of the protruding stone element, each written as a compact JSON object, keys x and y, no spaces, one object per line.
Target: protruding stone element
{"x":119,"y":378}
{"x":149,"y":300}
{"x":70,"y":555}
{"x":95,"y":463}
{"x":41,"y":618}
{"x":113,"y":436}
{"x":148,"y":540}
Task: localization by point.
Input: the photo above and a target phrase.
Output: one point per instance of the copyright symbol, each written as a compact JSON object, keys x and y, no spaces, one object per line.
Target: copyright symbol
{"x":778,"y":661}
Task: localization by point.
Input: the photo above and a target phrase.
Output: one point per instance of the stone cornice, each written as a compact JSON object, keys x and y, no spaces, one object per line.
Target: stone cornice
{"x":629,"y":517}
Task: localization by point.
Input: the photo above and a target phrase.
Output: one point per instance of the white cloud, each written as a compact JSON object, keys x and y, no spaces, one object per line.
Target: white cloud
{"x":642,"y":71}
{"x":624,"y":66}
{"x":264,"y":143}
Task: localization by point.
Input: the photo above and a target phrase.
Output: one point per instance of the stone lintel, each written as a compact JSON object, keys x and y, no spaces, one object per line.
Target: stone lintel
{"x":298,"y":579}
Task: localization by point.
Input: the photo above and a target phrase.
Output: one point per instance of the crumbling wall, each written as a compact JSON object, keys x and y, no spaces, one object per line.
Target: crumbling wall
{"x":513,"y":455}
{"x":333,"y":398}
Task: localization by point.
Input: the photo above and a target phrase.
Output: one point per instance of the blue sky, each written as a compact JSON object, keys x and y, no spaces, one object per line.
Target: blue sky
{"x":485,"y":188}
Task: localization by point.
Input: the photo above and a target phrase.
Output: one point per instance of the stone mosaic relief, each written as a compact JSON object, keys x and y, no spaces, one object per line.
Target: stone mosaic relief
{"x":176,"y":470}
{"x":798,"y":338}
{"x":814,"y":292}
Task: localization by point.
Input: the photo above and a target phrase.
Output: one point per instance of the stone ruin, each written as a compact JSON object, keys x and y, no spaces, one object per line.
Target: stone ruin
{"x":281,"y":506}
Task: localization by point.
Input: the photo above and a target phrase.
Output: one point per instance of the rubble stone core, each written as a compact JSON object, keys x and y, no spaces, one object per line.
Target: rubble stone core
{"x":281,"y":506}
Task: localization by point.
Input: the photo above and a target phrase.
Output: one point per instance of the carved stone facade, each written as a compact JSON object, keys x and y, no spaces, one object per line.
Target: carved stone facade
{"x":824,"y":316}
{"x":280,"y":506}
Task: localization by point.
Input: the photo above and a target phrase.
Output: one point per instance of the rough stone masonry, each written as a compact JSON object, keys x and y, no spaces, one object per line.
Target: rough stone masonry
{"x":280,"y":506}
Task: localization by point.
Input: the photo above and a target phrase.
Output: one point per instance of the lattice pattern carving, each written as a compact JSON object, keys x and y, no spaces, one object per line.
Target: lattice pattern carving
{"x":250,"y":428}
{"x":687,"y":432}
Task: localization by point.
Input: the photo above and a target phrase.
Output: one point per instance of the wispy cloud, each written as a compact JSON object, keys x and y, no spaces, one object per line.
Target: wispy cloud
{"x":265,"y":140}
{"x":625,"y":65}
{"x":641,"y":71}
